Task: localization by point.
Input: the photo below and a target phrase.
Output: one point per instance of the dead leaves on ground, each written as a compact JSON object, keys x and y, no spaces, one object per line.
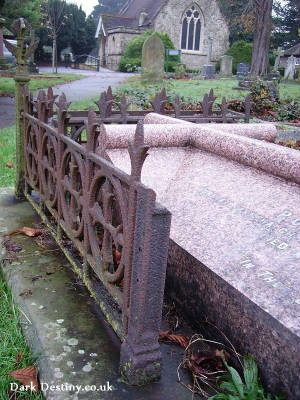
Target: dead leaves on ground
{"x":26,"y":293}
{"x":206,"y":364}
{"x":12,"y":248}
{"x":31,"y":232}
{"x":18,"y":358}
{"x":201,"y":359}
{"x":27,"y":377}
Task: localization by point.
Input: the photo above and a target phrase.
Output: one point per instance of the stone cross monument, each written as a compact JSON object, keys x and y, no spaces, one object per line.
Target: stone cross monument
{"x":278,"y":53}
{"x":210,"y":42}
{"x":208,"y":69}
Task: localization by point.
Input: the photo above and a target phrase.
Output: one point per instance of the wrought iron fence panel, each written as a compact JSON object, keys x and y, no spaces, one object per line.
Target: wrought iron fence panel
{"x":110,"y":218}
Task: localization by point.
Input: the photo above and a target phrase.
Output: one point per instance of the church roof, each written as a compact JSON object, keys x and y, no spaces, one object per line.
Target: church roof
{"x":295,"y":50}
{"x":130,"y":13}
{"x":135,"y":7}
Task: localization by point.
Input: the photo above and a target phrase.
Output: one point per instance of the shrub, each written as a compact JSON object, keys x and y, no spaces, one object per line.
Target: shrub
{"x":133,"y":51}
{"x":241,"y":52}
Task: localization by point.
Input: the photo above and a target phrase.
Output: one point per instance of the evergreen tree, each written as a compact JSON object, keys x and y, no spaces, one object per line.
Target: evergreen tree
{"x":107,"y":7}
{"x":29,"y":9}
{"x":287,"y":23}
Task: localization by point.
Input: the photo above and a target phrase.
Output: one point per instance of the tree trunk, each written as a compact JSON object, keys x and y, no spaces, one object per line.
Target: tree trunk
{"x":262,"y":31}
{"x":53,"y":54}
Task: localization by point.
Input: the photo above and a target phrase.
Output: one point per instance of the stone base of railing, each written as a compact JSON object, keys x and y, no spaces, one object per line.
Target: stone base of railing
{"x":138,"y":366}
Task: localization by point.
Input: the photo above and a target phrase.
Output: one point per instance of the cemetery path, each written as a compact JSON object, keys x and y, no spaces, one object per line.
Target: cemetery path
{"x":93,"y":84}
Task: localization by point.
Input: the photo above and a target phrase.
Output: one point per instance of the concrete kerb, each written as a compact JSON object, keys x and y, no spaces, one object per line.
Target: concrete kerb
{"x":61,"y":324}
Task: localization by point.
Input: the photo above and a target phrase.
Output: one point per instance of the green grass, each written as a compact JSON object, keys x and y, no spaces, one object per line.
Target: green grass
{"x":7,"y":154}
{"x":190,"y":90}
{"x":7,"y":85}
{"x":12,"y":341}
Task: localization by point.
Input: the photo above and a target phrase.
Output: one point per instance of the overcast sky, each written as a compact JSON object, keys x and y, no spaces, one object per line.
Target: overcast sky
{"x":87,"y":5}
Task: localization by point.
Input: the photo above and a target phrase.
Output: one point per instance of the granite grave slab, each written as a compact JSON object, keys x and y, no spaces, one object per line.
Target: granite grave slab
{"x":234,"y":248}
{"x":261,"y":131}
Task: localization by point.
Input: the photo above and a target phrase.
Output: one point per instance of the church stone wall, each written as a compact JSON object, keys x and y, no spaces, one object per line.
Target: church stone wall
{"x":169,"y":21}
{"x":115,"y":46}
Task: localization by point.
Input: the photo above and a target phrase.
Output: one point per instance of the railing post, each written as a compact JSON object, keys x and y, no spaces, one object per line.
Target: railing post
{"x":144,"y":276}
{"x":22,"y":52}
{"x":140,"y":353}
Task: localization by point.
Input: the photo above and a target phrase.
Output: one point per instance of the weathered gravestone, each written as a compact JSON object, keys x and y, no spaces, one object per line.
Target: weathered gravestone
{"x":242,"y":70}
{"x":226,"y":65}
{"x":208,"y":71}
{"x":289,"y":72}
{"x":153,"y":58}
{"x":234,"y":248}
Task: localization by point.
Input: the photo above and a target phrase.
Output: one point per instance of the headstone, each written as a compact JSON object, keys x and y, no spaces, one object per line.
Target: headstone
{"x":234,"y":248}
{"x":208,"y":71}
{"x":226,"y":65}
{"x":242,"y":70}
{"x":289,"y":72}
{"x":153,"y":58}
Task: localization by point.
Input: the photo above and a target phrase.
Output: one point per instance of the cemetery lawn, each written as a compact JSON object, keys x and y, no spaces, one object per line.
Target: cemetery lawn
{"x":7,"y":156}
{"x":7,"y":85}
{"x":12,"y":345}
{"x":191,"y":90}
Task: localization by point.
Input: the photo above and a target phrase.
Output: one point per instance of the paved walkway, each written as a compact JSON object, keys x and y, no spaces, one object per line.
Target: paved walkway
{"x":93,"y":84}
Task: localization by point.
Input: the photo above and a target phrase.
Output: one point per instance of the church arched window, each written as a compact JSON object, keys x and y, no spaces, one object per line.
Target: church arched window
{"x":191,"y":29}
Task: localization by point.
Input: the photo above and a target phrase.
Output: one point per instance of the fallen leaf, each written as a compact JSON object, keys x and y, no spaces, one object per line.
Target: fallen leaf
{"x":32,"y":232}
{"x":1,"y":144}
{"x":18,"y":358}
{"x":9,"y":164}
{"x":35,"y":278}
{"x":201,"y":356}
{"x":50,"y":271}
{"x":26,"y":293}
{"x":26,"y":376}
{"x":183,"y":341}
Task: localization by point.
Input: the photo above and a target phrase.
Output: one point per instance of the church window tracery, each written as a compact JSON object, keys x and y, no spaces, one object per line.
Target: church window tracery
{"x":191,"y":29}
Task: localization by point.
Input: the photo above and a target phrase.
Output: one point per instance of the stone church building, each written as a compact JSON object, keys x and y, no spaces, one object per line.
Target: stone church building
{"x":188,"y":23}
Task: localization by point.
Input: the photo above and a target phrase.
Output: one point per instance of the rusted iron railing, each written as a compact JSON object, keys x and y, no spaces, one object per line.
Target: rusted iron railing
{"x":119,"y":234}
{"x":112,"y":111}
